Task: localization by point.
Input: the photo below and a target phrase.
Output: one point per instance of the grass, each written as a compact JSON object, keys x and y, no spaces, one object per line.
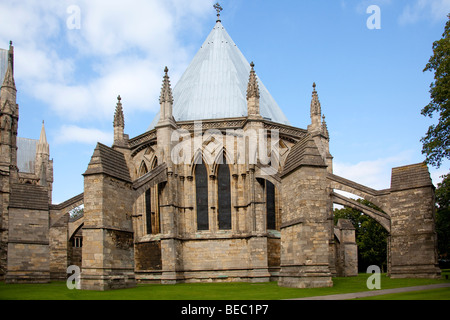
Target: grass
{"x":219,"y":291}
{"x":436,"y":294}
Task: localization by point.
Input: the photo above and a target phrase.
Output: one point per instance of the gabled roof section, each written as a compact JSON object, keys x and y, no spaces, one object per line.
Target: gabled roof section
{"x":303,"y":153}
{"x":28,"y":196}
{"x":411,"y":176}
{"x":110,"y":162}
{"x":214,"y":86}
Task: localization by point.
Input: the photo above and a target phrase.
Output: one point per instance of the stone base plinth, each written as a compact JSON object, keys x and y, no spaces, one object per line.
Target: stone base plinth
{"x":107,"y":279}
{"x":305,"y":277}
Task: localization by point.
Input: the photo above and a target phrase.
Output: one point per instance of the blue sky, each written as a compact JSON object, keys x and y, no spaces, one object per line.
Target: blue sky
{"x":370,"y":81}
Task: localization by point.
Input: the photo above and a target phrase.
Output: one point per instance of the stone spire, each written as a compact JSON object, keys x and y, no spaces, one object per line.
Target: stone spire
{"x":9,"y":75}
{"x":166,"y":90}
{"x":325,"y":132}
{"x":319,"y":131}
{"x":119,"y":119}
{"x":9,"y":120}
{"x":252,"y":88}
{"x":166,"y":101}
{"x":42,"y":163}
{"x":43,"y":146}
{"x":253,"y":94}
{"x":119,"y":124}
{"x":8,"y":89}
{"x":316,"y":111}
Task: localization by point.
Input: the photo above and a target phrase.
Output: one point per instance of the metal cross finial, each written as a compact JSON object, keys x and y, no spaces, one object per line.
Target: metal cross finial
{"x":218,"y":9}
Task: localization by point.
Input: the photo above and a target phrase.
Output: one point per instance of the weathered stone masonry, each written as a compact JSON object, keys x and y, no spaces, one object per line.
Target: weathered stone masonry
{"x":216,"y":215}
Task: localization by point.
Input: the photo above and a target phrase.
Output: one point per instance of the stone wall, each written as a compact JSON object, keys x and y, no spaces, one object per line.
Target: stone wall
{"x":28,"y":228}
{"x":108,"y":253}
{"x":219,"y":259}
{"x":413,"y":237}
{"x":28,"y":246}
{"x":346,"y":249}
{"x":59,"y":247}
{"x":305,"y":229}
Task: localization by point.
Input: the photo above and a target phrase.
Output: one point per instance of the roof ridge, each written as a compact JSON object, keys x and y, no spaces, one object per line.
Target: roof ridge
{"x":304,"y":153}
{"x":108,"y":161}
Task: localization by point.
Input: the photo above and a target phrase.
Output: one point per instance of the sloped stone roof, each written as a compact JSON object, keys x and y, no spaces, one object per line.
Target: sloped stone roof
{"x":305,"y":153}
{"x":28,"y":196}
{"x":108,"y":161}
{"x":412,"y":176}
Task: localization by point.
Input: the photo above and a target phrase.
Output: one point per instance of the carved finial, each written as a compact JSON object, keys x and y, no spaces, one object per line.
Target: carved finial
{"x":252,"y":88}
{"x":315,"y":103}
{"x":166,"y":90}
{"x":119,"y":119}
{"x":43,"y":147}
{"x":8,"y":80}
{"x":218,"y":9}
{"x":324,"y":127}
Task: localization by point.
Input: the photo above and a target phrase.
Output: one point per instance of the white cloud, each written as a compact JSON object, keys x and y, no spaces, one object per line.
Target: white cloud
{"x":26,"y":21}
{"x":109,"y":28}
{"x":436,"y":174}
{"x":436,"y":10}
{"x":440,"y":9}
{"x":138,"y":82}
{"x":375,"y":174}
{"x":120,"y":48}
{"x":75,"y":134}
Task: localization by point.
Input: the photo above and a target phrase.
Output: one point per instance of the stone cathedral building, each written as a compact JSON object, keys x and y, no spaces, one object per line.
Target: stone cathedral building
{"x":219,"y":188}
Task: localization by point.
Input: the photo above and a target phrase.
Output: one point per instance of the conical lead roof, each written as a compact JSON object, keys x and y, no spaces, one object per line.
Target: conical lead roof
{"x":214,"y":86}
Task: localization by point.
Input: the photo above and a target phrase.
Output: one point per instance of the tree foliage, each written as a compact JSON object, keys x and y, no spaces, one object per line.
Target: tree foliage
{"x":371,"y":237}
{"x":443,"y":217}
{"x":76,"y":212}
{"x":436,"y":143}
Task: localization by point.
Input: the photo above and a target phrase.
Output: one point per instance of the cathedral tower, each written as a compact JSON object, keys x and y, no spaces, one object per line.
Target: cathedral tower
{"x":9,"y":118}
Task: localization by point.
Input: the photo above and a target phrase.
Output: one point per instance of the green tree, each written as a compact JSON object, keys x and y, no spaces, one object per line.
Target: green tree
{"x":76,"y":212}
{"x":371,"y":237}
{"x":436,"y":144}
{"x":443,"y":217}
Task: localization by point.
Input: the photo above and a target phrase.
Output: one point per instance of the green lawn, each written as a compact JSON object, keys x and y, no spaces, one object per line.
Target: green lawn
{"x":217,"y":291}
{"x":436,"y":294}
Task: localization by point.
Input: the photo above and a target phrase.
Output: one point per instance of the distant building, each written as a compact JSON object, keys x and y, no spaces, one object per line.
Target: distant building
{"x":26,"y":174}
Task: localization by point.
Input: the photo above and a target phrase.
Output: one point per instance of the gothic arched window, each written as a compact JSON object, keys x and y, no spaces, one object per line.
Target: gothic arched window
{"x":143,"y":169}
{"x":224,"y":195}
{"x":270,"y":205}
{"x":201,"y":191}
{"x":148,"y":210}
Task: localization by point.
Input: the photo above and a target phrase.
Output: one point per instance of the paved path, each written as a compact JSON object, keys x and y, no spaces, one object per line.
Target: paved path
{"x":356,"y":295}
